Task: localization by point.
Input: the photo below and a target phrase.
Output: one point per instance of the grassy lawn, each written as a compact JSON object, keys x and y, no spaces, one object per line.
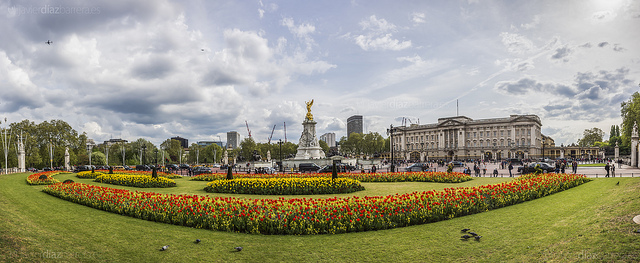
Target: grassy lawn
{"x":591,"y":222}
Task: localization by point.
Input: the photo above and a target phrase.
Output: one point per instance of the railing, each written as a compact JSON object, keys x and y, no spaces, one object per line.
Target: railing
{"x":10,"y":170}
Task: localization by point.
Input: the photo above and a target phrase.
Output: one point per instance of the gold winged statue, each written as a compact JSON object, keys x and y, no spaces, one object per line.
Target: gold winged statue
{"x":309,"y":115}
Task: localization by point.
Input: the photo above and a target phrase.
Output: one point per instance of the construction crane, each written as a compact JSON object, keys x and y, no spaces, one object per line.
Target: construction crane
{"x":270,"y":136}
{"x":249,"y":131}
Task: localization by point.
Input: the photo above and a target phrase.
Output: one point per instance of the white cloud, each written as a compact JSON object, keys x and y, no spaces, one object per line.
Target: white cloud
{"x":418,"y":18}
{"x":532,"y":24}
{"x":517,"y":44}
{"x":378,"y":37}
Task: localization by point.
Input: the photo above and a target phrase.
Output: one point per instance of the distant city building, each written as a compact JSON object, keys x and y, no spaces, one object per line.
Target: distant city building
{"x":183,"y":142}
{"x":462,"y":138}
{"x":114,"y":141}
{"x":354,"y":124}
{"x":207,"y":143}
{"x":233,"y":139}
{"x":329,"y":138}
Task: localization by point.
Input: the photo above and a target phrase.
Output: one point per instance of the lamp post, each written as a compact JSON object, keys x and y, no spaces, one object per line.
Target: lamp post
{"x":89,"y":148}
{"x":281,"y":166}
{"x":50,"y":154}
{"x":144,"y":148}
{"x":106,"y":150}
{"x":123,"y":154}
{"x":390,"y":133}
{"x":6,"y":142}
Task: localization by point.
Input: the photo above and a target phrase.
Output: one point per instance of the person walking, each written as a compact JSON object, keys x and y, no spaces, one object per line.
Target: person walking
{"x":495,"y":172}
{"x":613,"y":170}
{"x":510,"y":168}
{"x":606,"y":168}
{"x":562,"y":167}
{"x":484,"y":169}
{"x":574,"y":166}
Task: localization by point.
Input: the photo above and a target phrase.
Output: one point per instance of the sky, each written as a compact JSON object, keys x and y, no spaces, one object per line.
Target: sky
{"x":197,"y":69}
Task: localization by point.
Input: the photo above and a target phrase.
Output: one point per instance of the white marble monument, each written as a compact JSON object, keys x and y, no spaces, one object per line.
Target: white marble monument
{"x":67,"y":163}
{"x":21,"y":157}
{"x":308,"y":147}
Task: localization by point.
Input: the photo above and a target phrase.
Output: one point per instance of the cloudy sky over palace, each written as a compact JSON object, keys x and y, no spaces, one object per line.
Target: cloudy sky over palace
{"x":197,"y":69}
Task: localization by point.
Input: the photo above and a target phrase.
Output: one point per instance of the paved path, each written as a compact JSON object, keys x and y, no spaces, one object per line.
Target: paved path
{"x":594,"y":172}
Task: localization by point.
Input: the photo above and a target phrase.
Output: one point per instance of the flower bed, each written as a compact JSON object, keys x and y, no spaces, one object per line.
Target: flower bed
{"x":143,"y":181}
{"x":435,"y":177}
{"x":44,"y":178}
{"x":148,"y":173}
{"x":285,"y":186}
{"x":88,"y":175}
{"x":315,"y":216}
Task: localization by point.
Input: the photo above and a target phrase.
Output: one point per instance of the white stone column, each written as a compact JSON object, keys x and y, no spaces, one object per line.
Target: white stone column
{"x":634,"y":145}
{"x":67,"y":165}
{"x":21,"y":157}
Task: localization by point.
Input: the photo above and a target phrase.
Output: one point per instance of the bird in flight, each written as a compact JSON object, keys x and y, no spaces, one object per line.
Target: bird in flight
{"x":49,"y":42}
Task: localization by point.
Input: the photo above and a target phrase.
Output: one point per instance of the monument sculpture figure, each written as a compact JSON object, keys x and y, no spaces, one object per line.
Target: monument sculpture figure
{"x":308,"y":146}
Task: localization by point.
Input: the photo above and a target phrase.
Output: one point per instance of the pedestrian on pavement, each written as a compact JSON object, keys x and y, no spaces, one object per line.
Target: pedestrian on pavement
{"x":574,"y":166}
{"x":606,"y":168}
{"x":510,"y":168}
{"x":613,"y":170}
{"x":495,"y":172}
{"x":562,"y":167}
{"x":484,"y":169}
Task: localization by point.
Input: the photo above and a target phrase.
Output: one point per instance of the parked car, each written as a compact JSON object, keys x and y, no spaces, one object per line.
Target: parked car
{"x":141,"y":167}
{"x":184,"y":166}
{"x":457,"y":164}
{"x":418,"y":167}
{"x":201,"y":170}
{"x":308,"y":167}
{"x":47,"y":169}
{"x":81,"y":168}
{"x":546,"y":168}
{"x":172,"y":167}
{"x":340,"y":168}
{"x":514,"y":161}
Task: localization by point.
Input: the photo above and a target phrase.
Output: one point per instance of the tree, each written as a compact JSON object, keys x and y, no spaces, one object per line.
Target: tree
{"x":248,"y":146}
{"x":630,"y":112}
{"x":324,"y":146}
{"x":590,"y":137}
{"x":173,"y":150}
{"x":98,"y":158}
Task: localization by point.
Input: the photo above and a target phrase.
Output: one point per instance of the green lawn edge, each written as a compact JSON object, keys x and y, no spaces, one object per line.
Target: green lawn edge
{"x":591,"y":222}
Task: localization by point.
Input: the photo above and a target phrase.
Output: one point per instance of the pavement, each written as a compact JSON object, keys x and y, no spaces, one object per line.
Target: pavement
{"x":593,"y":172}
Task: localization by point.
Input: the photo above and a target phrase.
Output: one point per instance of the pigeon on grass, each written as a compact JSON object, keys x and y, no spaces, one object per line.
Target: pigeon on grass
{"x":164,"y":248}
{"x":238,"y":249}
{"x":197,"y":241}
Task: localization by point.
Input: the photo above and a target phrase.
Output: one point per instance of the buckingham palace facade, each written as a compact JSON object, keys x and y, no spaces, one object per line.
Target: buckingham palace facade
{"x":460,"y":138}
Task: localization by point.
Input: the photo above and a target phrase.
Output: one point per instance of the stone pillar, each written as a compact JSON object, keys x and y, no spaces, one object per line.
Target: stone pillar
{"x":269,"y":156}
{"x":225,"y":158}
{"x":67,"y":163}
{"x":21,"y":157}
{"x":562,"y":153}
{"x":617,"y":152}
{"x":634,"y":145}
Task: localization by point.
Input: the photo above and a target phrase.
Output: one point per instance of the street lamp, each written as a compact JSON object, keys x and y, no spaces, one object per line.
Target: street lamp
{"x":144,"y":148}
{"x":6,"y":144}
{"x":123,"y":154}
{"x":89,"y":148}
{"x":281,"y":166}
{"x":390,"y":133}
